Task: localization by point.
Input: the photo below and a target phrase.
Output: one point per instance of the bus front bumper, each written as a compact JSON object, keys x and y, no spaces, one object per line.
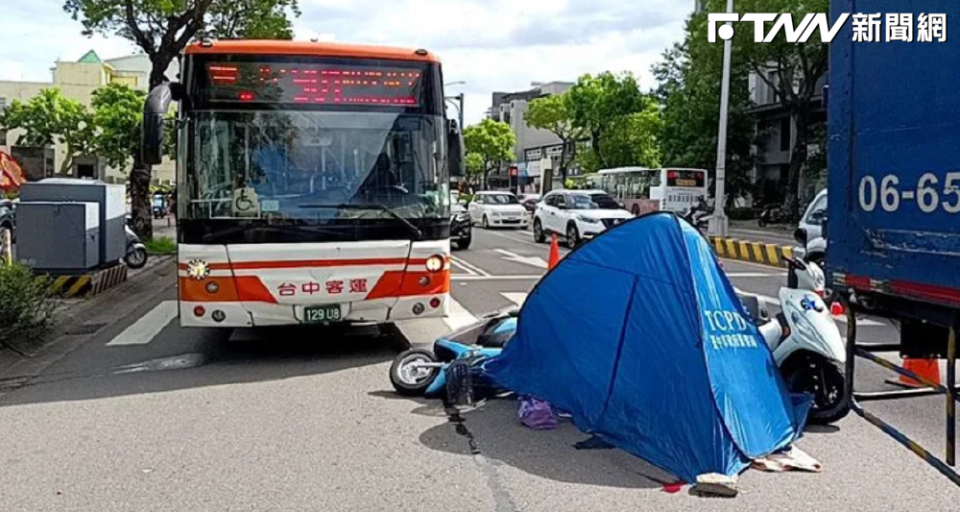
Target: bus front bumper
{"x":238,"y":315}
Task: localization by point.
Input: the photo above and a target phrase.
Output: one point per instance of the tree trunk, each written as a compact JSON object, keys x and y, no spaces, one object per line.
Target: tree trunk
{"x":798,"y":158}
{"x":67,"y":162}
{"x":140,"y":208}
{"x":595,"y":144}
{"x":563,"y":162}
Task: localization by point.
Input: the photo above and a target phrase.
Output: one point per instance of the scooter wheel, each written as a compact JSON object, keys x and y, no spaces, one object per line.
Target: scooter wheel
{"x":826,"y":381}
{"x":136,"y":258}
{"x":407,"y":379}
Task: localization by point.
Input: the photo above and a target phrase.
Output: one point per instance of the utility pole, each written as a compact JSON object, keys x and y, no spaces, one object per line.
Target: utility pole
{"x":459,"y":98}
{"x":718,"y":223}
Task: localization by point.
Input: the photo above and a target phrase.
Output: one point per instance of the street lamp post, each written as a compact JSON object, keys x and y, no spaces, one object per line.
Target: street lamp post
{"x":459,"y":99}
{"x":718,"y":223}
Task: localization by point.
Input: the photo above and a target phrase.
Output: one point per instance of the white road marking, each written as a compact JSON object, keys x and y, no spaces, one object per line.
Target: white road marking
{"x":459,"y":317}
{"x":458,"y":263}
{"x":516,"y":239}
{"x":753,"y":274}
{"x":148,"y":326}
{"x":470,"y":267}
{"x":534,"y":261}
{"x":516,"y":298}
{"x":495,"y":278}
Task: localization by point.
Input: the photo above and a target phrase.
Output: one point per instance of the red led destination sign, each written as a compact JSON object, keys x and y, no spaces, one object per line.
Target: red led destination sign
{"x":313,"y":84}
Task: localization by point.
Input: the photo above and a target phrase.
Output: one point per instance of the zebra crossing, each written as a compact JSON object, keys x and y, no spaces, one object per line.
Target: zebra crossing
{"x":146,"y":328}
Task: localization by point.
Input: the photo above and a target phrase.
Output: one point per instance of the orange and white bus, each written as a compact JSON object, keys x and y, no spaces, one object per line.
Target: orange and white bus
{"x":312,"y":183}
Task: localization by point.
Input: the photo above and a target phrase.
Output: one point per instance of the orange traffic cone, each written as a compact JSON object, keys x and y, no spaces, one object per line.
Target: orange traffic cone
{"x":554,"y":253}
{"x":836,"y":309}
{"x":927,"y":368}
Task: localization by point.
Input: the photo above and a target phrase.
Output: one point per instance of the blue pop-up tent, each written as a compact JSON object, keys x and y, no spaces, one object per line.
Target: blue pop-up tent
{"x":640,"y":336}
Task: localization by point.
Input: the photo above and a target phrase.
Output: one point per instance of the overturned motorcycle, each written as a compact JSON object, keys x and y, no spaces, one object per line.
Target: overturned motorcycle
{"x":421,"y":372}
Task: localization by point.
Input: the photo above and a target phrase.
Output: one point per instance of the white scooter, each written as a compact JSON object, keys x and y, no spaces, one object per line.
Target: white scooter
{"x":806,"y":343}
{"x":136,"y":255}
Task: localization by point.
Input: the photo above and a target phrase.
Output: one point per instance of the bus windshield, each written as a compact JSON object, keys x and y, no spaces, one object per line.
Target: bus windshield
{"x":302,"y":164}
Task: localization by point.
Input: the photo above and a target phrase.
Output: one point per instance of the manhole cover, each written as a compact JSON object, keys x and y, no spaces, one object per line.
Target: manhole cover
{"x":85,"y":329}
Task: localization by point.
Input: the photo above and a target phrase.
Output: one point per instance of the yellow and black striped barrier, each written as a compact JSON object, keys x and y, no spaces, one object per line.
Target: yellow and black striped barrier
{"x":90,"y":284}
{"x":754,"y":252}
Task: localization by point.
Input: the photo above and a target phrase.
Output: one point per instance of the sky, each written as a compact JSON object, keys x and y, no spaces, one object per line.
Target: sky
{"x":492,"y":45}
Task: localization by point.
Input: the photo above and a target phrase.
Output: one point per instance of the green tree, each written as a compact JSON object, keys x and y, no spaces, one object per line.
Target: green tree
{"x":162,"y":29}
{"x":634,"y":140}
{"x":791,"y":69}
{"x":474,"y":166}
{"x":49,"y":118}
{"x":597,"y":104}
{"x":689,"y":93}
{"x":117,"y":114}
{"x":555,"y":114}
{"x":253,"y":19}
{"x":493,"y":142}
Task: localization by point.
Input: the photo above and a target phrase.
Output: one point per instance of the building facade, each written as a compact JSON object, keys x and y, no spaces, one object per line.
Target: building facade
{"x":534,"y":146}
{"x":777,"y":138}
{"x":77,"y":81}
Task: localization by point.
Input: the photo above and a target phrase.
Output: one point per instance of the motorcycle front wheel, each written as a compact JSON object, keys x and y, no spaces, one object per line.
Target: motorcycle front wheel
{"x":823,"y":379}
{"x":407,"y":378}
{"x":136,"y":258}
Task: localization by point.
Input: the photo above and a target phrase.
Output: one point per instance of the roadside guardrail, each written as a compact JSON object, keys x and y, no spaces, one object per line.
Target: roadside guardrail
{"x":753,"y":252}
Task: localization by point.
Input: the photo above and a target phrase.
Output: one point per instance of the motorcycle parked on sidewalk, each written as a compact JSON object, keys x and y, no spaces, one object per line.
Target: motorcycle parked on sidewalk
{"x":136,"y":255}
{"x":773,"y":214}
{"x":806,"y":342}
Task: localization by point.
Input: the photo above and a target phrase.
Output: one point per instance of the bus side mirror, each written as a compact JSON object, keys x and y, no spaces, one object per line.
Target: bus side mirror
{"x":154,"y":111}
{"x":455,"y":150}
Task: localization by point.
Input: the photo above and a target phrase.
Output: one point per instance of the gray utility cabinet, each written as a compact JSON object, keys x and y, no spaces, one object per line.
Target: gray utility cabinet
{"x":74,"y":245}
{"x":112,"y":211}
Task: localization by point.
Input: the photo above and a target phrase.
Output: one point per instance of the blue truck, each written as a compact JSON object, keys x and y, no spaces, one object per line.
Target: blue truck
{"x":893,"y":225}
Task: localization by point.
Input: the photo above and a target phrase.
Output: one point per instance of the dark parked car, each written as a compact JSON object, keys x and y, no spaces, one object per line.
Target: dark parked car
{"x":8,"y":219}
{"x":461,"y":231}
{"x":529,"y":201}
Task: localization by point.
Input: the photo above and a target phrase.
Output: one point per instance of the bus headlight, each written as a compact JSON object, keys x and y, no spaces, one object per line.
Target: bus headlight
{"x":435,"y":263}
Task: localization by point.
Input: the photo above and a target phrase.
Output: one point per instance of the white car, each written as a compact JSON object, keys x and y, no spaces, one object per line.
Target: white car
{"x":577,"y":215}
{"x":809,"y":233}
{"x":498,"y":209}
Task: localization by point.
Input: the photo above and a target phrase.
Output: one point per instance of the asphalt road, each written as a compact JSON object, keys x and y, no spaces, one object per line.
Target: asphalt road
{"x":142,"y":415}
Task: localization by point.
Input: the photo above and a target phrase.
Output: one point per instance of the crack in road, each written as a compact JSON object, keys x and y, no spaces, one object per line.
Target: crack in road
{"x":501,"y":498}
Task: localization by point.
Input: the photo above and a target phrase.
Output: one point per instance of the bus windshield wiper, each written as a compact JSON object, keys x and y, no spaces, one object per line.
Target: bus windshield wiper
{"x":389,"y":211}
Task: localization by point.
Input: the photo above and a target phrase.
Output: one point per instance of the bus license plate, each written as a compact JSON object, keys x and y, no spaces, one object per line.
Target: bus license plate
{"x":321,"y":314}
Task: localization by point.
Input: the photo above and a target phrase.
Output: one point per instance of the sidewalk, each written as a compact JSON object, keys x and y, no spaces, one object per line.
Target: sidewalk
{"x":748,"y":230}
{"x":161,"y":229}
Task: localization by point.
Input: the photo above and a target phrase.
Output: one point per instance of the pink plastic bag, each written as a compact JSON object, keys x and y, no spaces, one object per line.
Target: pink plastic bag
{"x":536,"y":414}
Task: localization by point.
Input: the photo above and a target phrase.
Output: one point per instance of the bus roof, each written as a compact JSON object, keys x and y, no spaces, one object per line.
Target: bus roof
{"x":620,"y":170}
{"x":306,"y":48}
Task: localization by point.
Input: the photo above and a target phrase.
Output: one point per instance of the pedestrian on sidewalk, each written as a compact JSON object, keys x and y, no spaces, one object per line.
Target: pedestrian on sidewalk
{"x":173,"y":203}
